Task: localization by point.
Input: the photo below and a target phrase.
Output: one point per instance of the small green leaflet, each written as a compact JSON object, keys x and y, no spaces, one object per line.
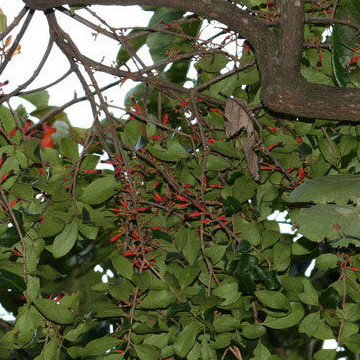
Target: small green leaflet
{"x":54,"y":312}
{"x":100,"y":190}
{"x":273,"y":299}
{"x":296,"y":314}
{"x":173,"y":152}
{"x":65,"y":241}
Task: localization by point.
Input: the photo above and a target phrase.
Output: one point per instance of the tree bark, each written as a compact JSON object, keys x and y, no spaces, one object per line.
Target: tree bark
{"x":278,"y":55}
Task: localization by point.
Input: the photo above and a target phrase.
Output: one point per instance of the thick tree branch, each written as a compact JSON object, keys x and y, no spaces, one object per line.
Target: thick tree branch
{"x":227,"y":13}
{"x":278,"y":55}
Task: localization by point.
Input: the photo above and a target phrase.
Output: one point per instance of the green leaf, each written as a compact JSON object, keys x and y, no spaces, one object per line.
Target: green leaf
{"x":100,"y":190}
{"x":281,"y":256}
{"x":65,"y":241}
{"x":294,"y":317}
{"x":339,"y":189}
{"x":157,"y":340}
{"x":339,"y":224}
{"x":33,"y":287}
{"x":186,"y":338}
{"x":69,"y":149}
{"x":252,"y":331}
{"x":310,"y":323}
{"x":325,"y":354}
{"x":309,"y":295}
{"x":100,"y":346}
{"x":39,"y":99}
{"x":248,"y":230}
{"x":188,"y":243}
{"x":147,"y":352}
{"x":212,"y":63}
{"x":8,"y":280}
{"x":329,"y":298}
{"x":173,"y":151}
{"x":51,"y":350}
{"x":134,"y":44}
{"x":343,"y":40}
{"x":188,"y":275}
{"x":348,"y":329}
{"x":323,"y":331}
{"x":73,"y":8}
{"x":123,"y":266}
{"x":74,"y":334}
{"x":261,"y":352}
{"x":273,"y":299}
{"x":158,"y":299}
{"x":326,"y":261}
{"x":54,"y":312}
{"x":3,"y":21}
{"x":228,"y":292}
{"x":215,"y":253}
{"x":217,"y":163}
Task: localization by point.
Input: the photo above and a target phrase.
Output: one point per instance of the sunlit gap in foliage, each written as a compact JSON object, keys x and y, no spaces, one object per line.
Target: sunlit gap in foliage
{"x":106,"y":274}
{"x":286,"y":227}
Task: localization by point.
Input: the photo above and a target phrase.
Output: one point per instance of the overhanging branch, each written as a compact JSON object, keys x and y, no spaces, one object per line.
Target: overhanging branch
{"x":278,"y":55}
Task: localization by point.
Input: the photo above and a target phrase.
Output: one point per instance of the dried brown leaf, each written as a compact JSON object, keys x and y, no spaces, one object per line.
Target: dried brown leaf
{"x":236,"y":118}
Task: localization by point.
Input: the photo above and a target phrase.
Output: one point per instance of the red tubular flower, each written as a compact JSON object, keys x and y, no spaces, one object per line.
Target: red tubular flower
{"x":215,"y":110}
{"x":4,"y":177}
{"x":27,"y":125}
{"x":114,"y":238}
{"x":13,"y":131}
{"x":47,"y":141}
{"x":166,"y":118}
{"x":183,"y":205}
{"x":129,"y":253}
{"x":194,"y":214}
{"x":14,"y":202}
{"x":3,"y":158}
{"x":180,"y":197}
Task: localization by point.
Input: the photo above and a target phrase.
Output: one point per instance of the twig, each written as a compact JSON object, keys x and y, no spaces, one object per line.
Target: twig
{"x":17,"y":41}
{"x":15,"y":23}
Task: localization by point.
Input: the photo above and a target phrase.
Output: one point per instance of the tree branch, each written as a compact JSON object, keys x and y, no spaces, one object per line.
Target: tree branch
{"x":278,"y":55}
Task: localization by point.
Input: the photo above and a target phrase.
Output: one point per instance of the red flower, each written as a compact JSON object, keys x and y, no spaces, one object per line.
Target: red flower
{"x":13,"y":131}
{"x":114,"y":238}
{"x":27,"y":125}
{"x":180,"y":197}
{"x":129,"y":253}
{"x":215,"y":110}
{"x":47,"y":141}
{"x":194,"y":214}
{"x":166,"y":118}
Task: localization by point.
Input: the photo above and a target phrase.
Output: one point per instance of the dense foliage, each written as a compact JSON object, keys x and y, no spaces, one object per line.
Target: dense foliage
{"x":180,"y":213}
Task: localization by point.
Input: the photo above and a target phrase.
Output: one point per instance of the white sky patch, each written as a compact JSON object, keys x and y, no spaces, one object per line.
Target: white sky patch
{"x":310,"y":268}
{"x":284,"y":223}
{"x":99,"y":269}
{"x":5,"y":315}
{"x":34,"y":43}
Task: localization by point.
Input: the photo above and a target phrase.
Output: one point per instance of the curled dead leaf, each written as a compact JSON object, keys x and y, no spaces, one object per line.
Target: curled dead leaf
{"x":237,"y":118}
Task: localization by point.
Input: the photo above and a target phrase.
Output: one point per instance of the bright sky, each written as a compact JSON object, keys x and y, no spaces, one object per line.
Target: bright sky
{"x":34,"y":44}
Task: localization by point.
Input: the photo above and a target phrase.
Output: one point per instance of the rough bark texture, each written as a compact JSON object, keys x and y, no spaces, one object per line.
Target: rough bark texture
{"x":278,"y":55}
